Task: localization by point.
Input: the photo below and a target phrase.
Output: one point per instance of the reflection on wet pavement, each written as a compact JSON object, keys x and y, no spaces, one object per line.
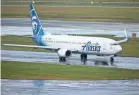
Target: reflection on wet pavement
{"x":45,"y":57}
{"x":65,"y":87}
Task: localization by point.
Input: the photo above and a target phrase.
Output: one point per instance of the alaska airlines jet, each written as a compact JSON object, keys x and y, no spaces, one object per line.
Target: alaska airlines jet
{"x":65,"y":45}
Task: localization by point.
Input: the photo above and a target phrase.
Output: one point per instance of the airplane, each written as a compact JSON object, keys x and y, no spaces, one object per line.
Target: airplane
{"x":66,"y":45}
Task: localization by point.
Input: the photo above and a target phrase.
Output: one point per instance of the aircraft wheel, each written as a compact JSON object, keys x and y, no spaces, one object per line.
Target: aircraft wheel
{"x":62,"y":59}
{"x":83,"y":58}
{"x":111,"y":60}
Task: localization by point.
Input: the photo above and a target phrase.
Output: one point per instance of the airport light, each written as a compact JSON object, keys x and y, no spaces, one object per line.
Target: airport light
{"x":92,"y":2}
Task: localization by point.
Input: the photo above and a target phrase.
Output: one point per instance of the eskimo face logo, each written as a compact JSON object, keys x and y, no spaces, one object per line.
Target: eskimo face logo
{"x":34,"y":23}
{"x":34,"y":26}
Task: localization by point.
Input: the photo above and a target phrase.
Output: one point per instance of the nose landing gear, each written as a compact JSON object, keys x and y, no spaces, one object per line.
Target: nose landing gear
{"x":111,"y":60}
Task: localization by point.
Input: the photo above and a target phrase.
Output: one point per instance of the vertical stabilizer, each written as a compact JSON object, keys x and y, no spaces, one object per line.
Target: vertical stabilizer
{"x":36,"y":24}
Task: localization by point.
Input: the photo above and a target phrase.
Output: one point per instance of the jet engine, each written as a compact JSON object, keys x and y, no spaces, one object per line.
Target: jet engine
{"x":64,"y":53}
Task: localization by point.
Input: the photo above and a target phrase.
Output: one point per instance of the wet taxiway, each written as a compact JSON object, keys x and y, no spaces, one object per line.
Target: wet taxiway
{"x":22,"y":26}
{"x":45,"y":57}
{"x":65,"y":87}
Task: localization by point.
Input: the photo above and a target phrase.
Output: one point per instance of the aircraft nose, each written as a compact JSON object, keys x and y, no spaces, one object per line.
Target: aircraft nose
{"x":119,"y":48}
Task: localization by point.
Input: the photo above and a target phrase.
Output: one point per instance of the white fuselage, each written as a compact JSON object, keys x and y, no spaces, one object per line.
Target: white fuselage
{"x":89,"y":45}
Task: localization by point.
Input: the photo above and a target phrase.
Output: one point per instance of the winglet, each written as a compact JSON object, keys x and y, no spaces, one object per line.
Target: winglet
{"x":126,"y":36}
{"x":122,"y":41}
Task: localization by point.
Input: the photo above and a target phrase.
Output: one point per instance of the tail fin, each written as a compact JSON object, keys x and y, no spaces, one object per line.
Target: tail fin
{"x":36,"y":24}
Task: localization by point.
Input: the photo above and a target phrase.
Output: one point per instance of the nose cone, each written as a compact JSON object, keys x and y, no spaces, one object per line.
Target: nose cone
{"x":119,"y":48}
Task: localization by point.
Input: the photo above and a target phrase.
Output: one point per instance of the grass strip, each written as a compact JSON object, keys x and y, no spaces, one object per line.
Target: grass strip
{"x":74,"y":1}
{"x":23,"y":70}
{"x":75,"y":13}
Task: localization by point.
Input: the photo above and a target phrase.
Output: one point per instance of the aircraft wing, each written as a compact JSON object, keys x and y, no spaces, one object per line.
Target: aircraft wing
{"x":34,"y":46}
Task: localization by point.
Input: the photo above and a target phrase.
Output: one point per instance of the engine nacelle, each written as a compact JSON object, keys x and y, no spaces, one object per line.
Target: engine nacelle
{"x":64,"y":53}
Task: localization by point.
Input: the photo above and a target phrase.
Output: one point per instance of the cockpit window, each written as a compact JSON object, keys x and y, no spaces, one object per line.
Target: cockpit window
{"x":114,"y":44}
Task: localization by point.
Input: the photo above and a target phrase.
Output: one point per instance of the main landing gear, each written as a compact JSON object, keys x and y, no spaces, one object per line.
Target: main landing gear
{"x":62,"y":59}
{"x":83,"y":58}
{"x":103,"y":61}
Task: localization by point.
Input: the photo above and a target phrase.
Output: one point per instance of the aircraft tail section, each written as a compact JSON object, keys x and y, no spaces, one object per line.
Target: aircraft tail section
{"x":36,"y":24}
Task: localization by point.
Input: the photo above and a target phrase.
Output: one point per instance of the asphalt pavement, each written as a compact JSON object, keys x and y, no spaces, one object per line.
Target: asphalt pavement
{"x":46,"y":57}
{"x":69,"y":87}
